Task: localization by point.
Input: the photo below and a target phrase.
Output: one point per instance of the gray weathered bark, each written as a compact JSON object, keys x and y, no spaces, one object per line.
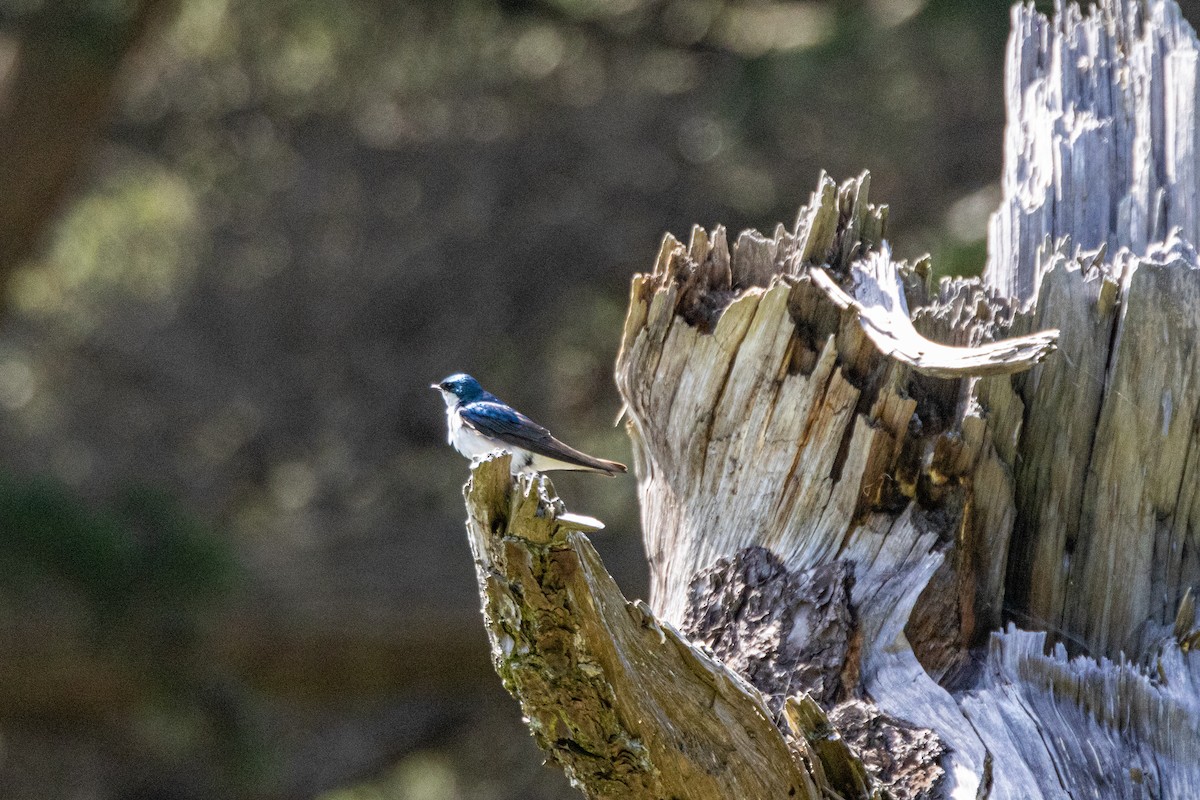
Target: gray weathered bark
{"x":854,"y":482}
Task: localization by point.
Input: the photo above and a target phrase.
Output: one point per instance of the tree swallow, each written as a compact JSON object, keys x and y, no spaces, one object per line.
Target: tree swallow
{"x":480,"y":423}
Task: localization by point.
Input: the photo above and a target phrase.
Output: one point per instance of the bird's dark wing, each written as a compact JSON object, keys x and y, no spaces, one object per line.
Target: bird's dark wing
{"x":499,"y":421}
{"x":509,"y":426}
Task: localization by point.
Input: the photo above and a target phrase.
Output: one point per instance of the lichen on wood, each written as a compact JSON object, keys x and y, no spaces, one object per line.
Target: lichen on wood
{"x":625,"y":704}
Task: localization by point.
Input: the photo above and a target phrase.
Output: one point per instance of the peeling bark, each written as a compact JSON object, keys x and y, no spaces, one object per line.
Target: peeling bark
{"x":786,"y":633}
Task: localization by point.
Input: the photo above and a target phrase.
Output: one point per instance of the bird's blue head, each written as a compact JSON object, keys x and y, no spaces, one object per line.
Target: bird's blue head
{"x":462,"y":386}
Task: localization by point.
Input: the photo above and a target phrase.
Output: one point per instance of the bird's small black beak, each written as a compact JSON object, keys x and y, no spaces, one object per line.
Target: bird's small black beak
{"x":435,"y":386}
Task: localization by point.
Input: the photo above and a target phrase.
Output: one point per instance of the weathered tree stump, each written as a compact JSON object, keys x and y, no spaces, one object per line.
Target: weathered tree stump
{"x":892,"y":554}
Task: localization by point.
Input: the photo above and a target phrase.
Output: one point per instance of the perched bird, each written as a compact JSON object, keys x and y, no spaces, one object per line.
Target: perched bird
{"x":480,"y":423}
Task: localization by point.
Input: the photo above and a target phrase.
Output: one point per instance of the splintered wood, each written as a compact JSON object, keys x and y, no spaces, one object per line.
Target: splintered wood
{"x":1097,"y":231}
{"x":858,"y":487}
{"x":624,"y":704}
{"x":878,"y":298}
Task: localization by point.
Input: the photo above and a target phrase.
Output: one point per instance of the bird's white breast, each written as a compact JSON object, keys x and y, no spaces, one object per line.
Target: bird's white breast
{"x":473,"y":445}
{"x":470,"y":443}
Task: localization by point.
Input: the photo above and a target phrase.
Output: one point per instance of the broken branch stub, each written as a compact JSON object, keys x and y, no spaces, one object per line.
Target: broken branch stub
{"x":850,"y":479}
{"x":877,"y":296}
{"x":803,"y":455}
{"x":623,"y":703}
{"x":765,"y":414}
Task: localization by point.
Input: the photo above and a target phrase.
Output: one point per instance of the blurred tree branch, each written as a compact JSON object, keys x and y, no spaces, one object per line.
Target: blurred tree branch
{"x":55,"y":97}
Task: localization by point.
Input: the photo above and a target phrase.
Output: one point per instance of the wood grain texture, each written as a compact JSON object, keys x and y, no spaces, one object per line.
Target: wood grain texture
{"x":773,"y":422}
{"x":1100,"y":142}
{"x":621,"y":701}
{"x":1095,"y":234}
{"x":853,"y":482}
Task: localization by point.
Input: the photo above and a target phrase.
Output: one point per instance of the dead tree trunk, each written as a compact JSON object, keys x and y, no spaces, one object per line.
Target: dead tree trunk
{"x":890,"y":556}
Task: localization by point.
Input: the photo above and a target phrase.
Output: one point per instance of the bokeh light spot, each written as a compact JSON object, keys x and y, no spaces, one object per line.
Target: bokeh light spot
{"x":17,"y":383}
{"x":700,"y":139}
{"x":755,"y":30}
{"x":539,"y":51}
{"x":968,"y":216}
{"x":292,"y":485}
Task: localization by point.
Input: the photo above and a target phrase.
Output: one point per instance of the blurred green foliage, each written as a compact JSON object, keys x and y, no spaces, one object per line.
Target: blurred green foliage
{"x":141,"y":554}
{"x":99,"y":28}
{"x":135,"y":234}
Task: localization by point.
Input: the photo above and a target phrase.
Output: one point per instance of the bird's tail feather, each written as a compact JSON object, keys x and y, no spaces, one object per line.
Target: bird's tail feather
{"x":578,"y":462}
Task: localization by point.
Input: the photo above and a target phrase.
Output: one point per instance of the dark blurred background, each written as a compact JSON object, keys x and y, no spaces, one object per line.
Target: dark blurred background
{"x":239,"y":238}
